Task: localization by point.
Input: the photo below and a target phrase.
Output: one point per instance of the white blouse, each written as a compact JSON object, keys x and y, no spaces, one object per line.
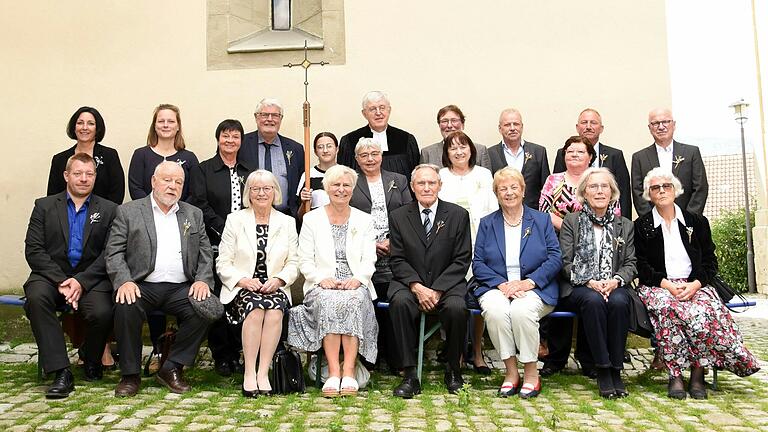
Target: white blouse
{"x":512,"y":236}
{"x":676,"y":259}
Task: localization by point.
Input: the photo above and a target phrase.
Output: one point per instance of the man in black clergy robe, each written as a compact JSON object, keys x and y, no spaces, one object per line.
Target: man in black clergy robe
{"x":65,"y":244}
{"x":431,"y":250}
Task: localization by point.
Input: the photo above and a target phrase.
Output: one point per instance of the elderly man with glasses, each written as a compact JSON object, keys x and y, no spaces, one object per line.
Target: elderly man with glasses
{"x":683,"y":160}
{"x":400,"y":150}
{"x":266,"y":149}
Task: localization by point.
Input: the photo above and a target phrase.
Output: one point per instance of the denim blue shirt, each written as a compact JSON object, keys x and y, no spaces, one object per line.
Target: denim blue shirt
{"x":76,"y":228}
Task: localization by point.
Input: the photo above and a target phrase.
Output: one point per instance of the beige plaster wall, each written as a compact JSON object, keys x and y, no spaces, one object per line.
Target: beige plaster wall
{"x":549,"y":59}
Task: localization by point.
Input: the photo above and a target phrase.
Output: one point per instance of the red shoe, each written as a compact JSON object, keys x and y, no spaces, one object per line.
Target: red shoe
{"x":509,"y":389}
{"x":530,"y":391}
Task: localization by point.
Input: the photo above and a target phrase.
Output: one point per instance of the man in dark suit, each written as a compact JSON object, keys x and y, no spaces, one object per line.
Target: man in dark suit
{"x":266,"y":149}
{"x":683,"y":160}
{"x":450,"y":119}
{"x":65,"y":251}
{"x":400,"y":150}
{"x":431,"y":250}
{"x":158,"y":256}
{"x":527,"y":157}
{"x":590,"y":126}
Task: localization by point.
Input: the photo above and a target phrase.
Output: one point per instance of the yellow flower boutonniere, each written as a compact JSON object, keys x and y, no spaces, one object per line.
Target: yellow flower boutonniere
{"x":677,"y":160}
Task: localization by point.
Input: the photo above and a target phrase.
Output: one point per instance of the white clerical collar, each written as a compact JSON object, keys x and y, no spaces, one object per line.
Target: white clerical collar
{"x":173,"y":209}
{"x":657,"y":219}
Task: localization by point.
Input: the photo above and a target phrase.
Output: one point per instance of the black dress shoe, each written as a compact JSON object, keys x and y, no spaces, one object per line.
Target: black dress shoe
{"x":237,"y":367}
{"x":698,"y":391}
{"x":409,"y":388}
{"x":618,"y":384}
{"x":93,"y":371}
{"x":253,"y":394}
{"x":605,"y":384}
{"x":549,"y":370}
{"x":675,"y":389}
{"x":589,"y":372}
{"x":481,"y":370}
{"x":223,"y":368}
{"x":453,"y":381}
{"x":63,"y":384}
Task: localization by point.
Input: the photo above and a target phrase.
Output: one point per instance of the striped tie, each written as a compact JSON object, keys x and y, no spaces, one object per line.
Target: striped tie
{"x":427,"y":222}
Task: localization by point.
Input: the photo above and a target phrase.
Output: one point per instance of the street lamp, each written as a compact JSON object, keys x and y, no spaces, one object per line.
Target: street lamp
{"x":740,"y":115}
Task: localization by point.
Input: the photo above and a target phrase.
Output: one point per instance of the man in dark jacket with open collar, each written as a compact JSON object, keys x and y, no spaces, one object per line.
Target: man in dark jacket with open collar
{"x":65,"y":249}
{"x":159,"y":257}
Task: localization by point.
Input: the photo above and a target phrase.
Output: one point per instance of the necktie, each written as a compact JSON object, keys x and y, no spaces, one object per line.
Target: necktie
{"x":427,"y":222}
{"x":267,"y":157}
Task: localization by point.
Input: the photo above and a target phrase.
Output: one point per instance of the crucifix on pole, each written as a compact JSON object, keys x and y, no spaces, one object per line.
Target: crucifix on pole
{"x":306,"y":108}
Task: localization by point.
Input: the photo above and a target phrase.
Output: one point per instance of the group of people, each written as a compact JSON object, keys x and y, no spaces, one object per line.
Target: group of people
{"x":432,"y":231}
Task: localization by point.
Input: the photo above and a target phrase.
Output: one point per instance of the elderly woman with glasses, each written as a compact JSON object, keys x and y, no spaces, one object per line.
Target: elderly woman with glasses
{"x":598,"y":264}
{"x":676,"y":261}
{"x":257,"y":263}
{"x":337,"y":256}
{"x":378,"y":193}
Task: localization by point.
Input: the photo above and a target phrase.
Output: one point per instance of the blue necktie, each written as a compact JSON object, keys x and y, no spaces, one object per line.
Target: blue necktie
{"x":427,"y":222}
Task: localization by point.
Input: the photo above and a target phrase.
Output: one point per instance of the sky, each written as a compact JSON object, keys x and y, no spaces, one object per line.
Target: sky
{"x":712,"y":64}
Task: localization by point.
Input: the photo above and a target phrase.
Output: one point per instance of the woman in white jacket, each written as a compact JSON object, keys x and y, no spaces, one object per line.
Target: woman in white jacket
{"x":337,"y":255}
{"x":257,"y":263}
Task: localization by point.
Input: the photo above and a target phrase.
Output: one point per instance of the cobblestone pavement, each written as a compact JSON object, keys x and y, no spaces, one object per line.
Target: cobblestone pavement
{"x":568,"y":402}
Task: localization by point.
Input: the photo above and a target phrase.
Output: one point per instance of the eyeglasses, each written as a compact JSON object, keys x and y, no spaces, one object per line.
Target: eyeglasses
{"x":365,"y":156}
{"x":453,"y":121}
{"x":269,"y":115}
{"x":266,"y":189}
{"x":656,"y":124}
{"x":597,"y":186}
{"x":665,"y":186}
{"x":380,"y":108}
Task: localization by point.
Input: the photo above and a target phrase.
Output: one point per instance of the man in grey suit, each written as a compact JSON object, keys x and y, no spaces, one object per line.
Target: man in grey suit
{"x":683,"y":160}
{"x":527,"y":157}
{"x":158,"y":256}
{"x":590,"y":125}
{"x":449,"y":119}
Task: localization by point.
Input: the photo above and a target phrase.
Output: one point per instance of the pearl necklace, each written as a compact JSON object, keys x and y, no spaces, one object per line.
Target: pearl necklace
{"x":514,"y":224}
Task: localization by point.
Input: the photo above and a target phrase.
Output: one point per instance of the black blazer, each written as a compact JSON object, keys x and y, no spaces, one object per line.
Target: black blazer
{"x":535,"y":169}
{"x":649,"y":246}
{"x":395,"y":190}
{"x":402,"y":156}
{"x":613,"y":159}
{"x":110,"y":177}
{"x":690,"y":171}
{"x":47,"y":242}
{"x":440,"y":263}
{"x":249,"y":154}
{"x":211,"y":192}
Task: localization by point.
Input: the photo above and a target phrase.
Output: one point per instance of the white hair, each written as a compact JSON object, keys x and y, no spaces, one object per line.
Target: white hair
{"x":374,"y":96}
{"x":366,"y":143}
{"x":267,"y":102}
{"x":663,"y":174}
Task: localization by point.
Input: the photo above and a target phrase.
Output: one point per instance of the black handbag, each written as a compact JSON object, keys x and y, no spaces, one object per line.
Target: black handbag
{"x":639,"y":321}
{"x":287,"y":373}
{"x":724,"y":290}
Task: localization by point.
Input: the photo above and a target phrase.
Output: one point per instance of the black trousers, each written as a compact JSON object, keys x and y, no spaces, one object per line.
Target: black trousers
{"x":171,"y":298}
{"x":558,"y":335}
{"x":386,"y":341}
{"x":404,"y":313}
{"x":606,"y":324}
{"x":223,"y":337}
{"x":96,"y":307}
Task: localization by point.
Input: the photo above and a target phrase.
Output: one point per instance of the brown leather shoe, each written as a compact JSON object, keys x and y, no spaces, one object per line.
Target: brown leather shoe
{"x":173,"y":380}
{"x":128,"y":386}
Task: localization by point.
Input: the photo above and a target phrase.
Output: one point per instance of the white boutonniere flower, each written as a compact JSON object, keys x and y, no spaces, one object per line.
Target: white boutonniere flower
{"x":187,"y":226}
{"x":677,"y":160}
{"x":527,"y":232}
{"x":98,"y":160}
{"x":440,"y":225}
{"x":181,"y":162}
{"x":96,"y":218}
{"x":289,"y":155}
{"x":242,"y":180}
{"x":353,"y":230}
{"x":689,"y":230}
{"x":391,"y":186}
{"x":603,"y":158}
{"x":619,"y":241}
{"x":528,"y":157}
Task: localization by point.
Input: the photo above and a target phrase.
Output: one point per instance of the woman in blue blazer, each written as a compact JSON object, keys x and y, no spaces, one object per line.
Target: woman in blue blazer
{"x":516,"y":261}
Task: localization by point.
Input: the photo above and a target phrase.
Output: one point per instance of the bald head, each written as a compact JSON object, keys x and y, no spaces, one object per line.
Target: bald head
{"x":167,"y":184}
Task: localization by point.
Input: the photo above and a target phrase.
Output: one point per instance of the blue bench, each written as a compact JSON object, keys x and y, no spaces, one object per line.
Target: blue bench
{"x":425,"y":334}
